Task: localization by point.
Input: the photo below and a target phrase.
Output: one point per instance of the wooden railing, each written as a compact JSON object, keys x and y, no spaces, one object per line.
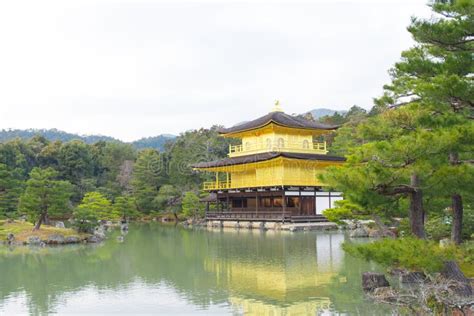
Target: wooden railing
{"x":214,"y":185}
{"x":276,"y":146}
{"x":246,"y":215}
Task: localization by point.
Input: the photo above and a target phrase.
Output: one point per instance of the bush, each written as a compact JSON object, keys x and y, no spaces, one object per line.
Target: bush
{"x":343,"y":210}
{"x":468,"y":251}
{"x":85,"y":220}
{"x":336,"y":215}
{"x":408,"y":253}
{"x":191,"y":205}
{"x":438,"y":228}
{"x":468,"y":223}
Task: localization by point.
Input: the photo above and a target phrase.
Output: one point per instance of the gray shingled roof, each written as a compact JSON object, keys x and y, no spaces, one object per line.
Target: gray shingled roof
{"x":279,"y":118}
{"x":263,"y":157}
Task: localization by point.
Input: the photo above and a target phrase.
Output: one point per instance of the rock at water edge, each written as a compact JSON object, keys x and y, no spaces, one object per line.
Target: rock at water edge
{"x":55,"y":239}
{"x":373,"y":280}
{"x":33,"y":240}
{"x":73,"y":239}
{"x":359,"y":233}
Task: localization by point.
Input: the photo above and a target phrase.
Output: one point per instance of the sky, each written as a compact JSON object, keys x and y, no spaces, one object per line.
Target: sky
{"x":137,"y":68}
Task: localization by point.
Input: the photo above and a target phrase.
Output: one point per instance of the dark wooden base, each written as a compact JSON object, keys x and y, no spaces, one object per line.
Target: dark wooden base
{"x":264,"y":217}
{"x":293,"y":201}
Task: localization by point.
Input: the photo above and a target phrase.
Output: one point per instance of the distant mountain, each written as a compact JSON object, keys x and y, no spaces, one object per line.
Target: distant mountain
{"x":156,"y":142}
{"x":318,"y":113}
{"x":52,"y":135}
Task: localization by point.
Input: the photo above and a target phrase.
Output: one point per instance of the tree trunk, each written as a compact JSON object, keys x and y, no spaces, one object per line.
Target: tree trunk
{"x":46,"y":220}
{"x":457,"y":207}
{"x":416,"y":208}
{"x":456,"y":230}
{"x":451,"y":271}
{"x":40,"y":221}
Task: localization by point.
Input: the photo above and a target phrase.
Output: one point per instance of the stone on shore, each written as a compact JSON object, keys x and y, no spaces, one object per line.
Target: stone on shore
{"x":59,"y":225}
{"x":413,"y":277}
{"x":55,"y":239}
{"x":72,"y":239}
{"x":33,"y":240}
{"x":359,"y":232}
{"x":373,"y":280}
{"x":10,"y":238}
{"x":93,"y":239}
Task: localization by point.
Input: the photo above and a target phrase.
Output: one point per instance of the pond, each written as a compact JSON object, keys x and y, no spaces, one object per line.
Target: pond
{"x":160,"y":269}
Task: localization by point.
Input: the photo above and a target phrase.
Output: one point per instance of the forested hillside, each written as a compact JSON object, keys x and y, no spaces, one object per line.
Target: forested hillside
{"x":145,"y":181}
{"x":156,"y":142}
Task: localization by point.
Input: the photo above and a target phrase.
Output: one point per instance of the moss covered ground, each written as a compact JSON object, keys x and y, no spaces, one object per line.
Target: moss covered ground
{"x":23,"y":230}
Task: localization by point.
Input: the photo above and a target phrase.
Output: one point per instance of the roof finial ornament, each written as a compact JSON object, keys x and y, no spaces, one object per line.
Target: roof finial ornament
{"x":277,"y":107}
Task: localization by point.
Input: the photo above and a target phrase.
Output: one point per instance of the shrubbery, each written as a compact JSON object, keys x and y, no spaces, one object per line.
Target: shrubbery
{"x":409,"y":253}
{"x":438,"y":227}
{"x":344,"y":210}
{"x":85,"y":220}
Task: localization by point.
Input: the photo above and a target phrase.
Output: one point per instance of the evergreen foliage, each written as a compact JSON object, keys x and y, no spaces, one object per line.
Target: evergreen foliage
{"x":191,"y":205}
{"x":99,"y":205}
{"x":409,"y":253}
{"x":45,"y":196}
{"x":414,"y":151}
{"x":10,"y":190}
{"x":139,"y":182}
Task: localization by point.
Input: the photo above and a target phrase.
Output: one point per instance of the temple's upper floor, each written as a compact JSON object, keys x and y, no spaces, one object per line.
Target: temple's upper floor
{"x":278,"y":132}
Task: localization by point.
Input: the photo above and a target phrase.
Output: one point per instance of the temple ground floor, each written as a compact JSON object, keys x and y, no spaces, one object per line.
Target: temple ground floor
{"x":271,"y":204}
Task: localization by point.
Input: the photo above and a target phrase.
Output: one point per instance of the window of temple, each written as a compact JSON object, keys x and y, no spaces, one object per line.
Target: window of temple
{"x":281,"y":142}
{"x":277,"y":202}
{"x":269,"y":143}
{"x":305,"y":144}
{"x":266,"y":202}
{"x":247,"y":146}
{"x":292,"y":201}
{"x":239,"y":203}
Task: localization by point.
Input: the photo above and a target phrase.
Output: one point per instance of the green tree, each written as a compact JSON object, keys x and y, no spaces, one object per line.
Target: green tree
{"x":191,"y":205}
{"x":16,"y":154}
{"x":99,"y":205}
{"x":126,"y":207}
{"x":169,"y":199}
{"x":191,"y":147}
{"x":393,"y":158}
{"x":147,"y":178}
{"x":45,"y":196}
{"x":75,"y":161}
{"x":10,"y":190}
{"x":436,"y":75}
{"x":85,"y":220}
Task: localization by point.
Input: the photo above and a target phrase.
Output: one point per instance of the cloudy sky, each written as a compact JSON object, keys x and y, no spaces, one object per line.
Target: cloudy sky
{"x":133,"y":68}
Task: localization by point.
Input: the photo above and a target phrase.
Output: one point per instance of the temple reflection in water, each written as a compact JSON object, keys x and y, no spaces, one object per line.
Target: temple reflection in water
{"x":285,"y":284}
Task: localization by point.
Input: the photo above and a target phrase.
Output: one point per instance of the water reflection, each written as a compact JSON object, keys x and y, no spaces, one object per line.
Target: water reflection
{"x":172,"y":270}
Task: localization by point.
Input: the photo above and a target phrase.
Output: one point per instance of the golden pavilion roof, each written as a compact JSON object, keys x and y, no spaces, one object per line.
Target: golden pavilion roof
{"x":278,"y":118}
{"x":264,"y":157}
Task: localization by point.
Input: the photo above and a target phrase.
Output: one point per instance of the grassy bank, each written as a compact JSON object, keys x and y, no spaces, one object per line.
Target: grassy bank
{"x":23,"y":230}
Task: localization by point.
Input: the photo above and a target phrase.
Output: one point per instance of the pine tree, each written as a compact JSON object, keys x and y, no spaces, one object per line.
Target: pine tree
{"x":45,"y":196}
{"x":191,"y":205}
{"x":99,"y":205}
{"x":437,"y":75}
{"x":10,"y":190}
{"x":147,"y":178}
